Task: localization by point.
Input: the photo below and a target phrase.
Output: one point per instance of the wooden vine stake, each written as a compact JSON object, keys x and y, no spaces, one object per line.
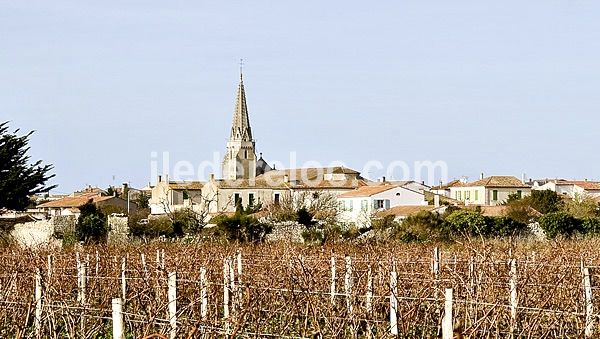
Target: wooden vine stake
{"x":513,"y":296}
{"x":589,"y":306}
{"x":117,"y":318}
{"x":447,"y":323}
{"x":393,"y":303}
{"x":172,"y":295}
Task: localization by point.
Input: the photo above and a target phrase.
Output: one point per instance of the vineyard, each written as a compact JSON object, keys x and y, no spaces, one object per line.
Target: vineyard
{"x":166,"y":290}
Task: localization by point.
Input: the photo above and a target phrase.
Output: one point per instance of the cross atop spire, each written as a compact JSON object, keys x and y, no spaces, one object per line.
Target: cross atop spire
{"x":241,"y":67}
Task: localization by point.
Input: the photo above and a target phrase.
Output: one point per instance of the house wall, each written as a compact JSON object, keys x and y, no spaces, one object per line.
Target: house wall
{"x":353,"y":211}
{"x":480,"y":195}
{"x":559,"y":189}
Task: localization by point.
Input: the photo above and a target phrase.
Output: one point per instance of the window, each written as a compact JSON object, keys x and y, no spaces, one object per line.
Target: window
{"x":459,"y":195}
{"x":364,"y":205}
{"x":520,"y":194}
{"x":237,"y":199}
{"x":468,"y":195}
{"x":245,"y":154}
{"x":378,"y":204}
{"x":250,"y":199}
{"x":350,"y":206}
{"x":495,"y":195}
{"x":476,"y":195}
{"x":185,"y":195}
{"x":341,"y":206}
{"x":276,"y":198}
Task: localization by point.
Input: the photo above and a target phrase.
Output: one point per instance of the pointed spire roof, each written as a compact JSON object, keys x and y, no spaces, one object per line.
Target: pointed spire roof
{"x":240,"y":128}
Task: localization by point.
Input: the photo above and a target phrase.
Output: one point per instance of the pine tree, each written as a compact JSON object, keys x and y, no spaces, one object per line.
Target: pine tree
{"x":18,"y":178}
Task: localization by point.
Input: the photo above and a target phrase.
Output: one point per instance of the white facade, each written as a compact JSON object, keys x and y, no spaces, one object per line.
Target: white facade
{"x":488,"y":196}
{"x":358,"y":209}
{"x":572,"y":189}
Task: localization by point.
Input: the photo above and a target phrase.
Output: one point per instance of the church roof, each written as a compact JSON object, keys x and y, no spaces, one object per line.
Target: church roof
{"x":262,"y":166}
{"x":240,"y":128}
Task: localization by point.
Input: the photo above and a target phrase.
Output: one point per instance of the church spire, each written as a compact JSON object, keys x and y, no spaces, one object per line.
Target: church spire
{"x":240,"y":128}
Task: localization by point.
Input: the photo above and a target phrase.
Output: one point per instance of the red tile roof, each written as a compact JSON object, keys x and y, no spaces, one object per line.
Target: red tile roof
{"x":74,"y":201}
{"x":498,"y":181}
{"x":367,"y":191}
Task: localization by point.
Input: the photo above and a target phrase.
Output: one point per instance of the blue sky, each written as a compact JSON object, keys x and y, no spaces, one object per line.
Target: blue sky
{"x":501,"y":87}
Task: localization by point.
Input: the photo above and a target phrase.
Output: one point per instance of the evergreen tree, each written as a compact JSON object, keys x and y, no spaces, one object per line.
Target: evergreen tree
{"x":18,"y":178}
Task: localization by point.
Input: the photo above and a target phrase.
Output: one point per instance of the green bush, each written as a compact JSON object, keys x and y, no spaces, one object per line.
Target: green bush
{"x":505,"y":226}
{"x":591,"y":226}
{"x":242,"y":227}
{"x":91,"y":226}
{"x":305,"y":218}
{"x":421,"y":227}
{"x":312,"y":235}
{"x":185,"y":221}
{"x":385,"y":223}
{"x":466,"y":222}
{"x":560,"y":223}
{"x":156,"y":227}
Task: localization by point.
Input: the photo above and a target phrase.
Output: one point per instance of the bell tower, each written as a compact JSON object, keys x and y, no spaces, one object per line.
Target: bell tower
{"x":240,"y":158}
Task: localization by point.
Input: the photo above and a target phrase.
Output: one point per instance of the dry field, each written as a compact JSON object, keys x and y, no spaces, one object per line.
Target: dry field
{"x":286,"y":290}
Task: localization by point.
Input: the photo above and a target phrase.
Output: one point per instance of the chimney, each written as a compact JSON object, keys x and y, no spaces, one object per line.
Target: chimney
{"x":211,"y":177}
{"x":481,"y":176}
{"x":167,"y":178}
{"x":423,"y":182}
{"x":441,"y":184}
{"x":160,"y":178}
{"x":436,"y":201}
{"x":524,"y":178}
{"x":383,"y":179}
{"x":286,"y":178}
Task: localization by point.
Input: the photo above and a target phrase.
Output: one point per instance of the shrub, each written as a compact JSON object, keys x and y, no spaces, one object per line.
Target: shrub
{"x":385,"y":223}
{"x":332,"y":233}
{"x":465,"y":222}
{"x":560,"y":223}
{"x":505,"y":226}
{"x":312,"y":235}
{"x":156,"y":227}
{"x":544,"y":201}
{"x":421,"y":227}
{"x":185,"y":221}
{"x":91,"y":225}
{"x":591,"y":226}
{"x":242,"y":227}
{"x":305,"y":218}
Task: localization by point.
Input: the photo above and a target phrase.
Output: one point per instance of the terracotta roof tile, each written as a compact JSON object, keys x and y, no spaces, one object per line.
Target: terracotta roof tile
{"x":498,"y":181}
{"x":186,"y":185}
{"x":367,"y":191}
{"x":73,"y":201}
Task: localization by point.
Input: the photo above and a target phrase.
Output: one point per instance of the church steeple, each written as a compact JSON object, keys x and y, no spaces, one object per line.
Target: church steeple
{"x":240,"y":160}
{"x":240,"y":128}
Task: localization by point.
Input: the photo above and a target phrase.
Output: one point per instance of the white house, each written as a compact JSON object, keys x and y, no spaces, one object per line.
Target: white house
{"x":359,"y":205}
{"x":489,"y":191}
{"x":573,"y":189}
{"x":444,"y":189}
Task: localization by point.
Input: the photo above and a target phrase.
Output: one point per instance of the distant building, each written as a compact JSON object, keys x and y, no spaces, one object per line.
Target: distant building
{"x":574,"y":189}
{"x":493,"y":190}
{"x":360,"y":205}
{"x":70,"y":205}
{"x":444,"y":189}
